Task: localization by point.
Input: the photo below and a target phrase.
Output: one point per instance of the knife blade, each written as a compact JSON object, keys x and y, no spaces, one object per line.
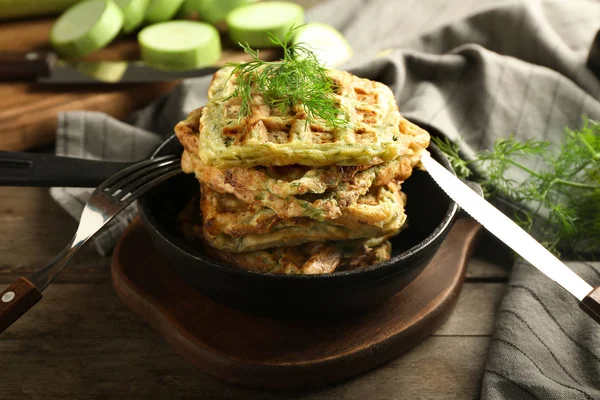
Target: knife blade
{"x":47,"y":68}
{"x":514,"y":236}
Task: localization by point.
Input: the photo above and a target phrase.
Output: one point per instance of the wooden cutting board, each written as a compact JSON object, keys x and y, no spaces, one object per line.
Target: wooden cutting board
{"x":28,"y":112}
{"x":292,"y":353}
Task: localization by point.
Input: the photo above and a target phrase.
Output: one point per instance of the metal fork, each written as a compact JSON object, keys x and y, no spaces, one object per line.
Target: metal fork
{"x":109,"y":199}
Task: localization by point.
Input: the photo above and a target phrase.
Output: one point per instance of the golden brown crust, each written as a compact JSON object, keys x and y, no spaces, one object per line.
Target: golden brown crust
{"x":310,"y":258}
{"x":235,"y":226}
{"x":284,"y":188}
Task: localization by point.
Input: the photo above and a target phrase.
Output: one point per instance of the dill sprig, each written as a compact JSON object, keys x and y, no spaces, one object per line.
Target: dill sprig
{"x":297,"y":79}
{"x":559,"y":198}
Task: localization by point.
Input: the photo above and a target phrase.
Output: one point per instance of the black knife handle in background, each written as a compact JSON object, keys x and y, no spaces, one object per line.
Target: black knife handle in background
{"x":46,"y":170}
{"x":26,"y":66}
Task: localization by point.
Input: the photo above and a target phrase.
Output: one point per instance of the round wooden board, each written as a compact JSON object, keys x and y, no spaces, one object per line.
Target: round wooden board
{"x":286,"y":354}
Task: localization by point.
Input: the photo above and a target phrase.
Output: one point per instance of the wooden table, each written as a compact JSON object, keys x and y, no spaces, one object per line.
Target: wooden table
{"x":81,"y":343}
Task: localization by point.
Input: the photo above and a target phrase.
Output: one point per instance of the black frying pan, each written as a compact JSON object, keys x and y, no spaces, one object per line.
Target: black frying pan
{"x":430,"y":216}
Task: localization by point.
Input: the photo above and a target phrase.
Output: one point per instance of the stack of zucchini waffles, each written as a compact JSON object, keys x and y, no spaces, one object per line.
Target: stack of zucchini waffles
{"x":281,"y":193}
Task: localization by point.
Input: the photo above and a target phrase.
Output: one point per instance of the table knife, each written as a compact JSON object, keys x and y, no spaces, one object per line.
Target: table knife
{"x":514,"y":237}
{"x":47,"y":68}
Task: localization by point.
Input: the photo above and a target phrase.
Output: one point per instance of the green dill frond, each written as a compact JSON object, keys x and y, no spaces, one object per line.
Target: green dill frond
{"x":559,"y":199}
{"x":452,"y":153}
{"x":297,"y":79}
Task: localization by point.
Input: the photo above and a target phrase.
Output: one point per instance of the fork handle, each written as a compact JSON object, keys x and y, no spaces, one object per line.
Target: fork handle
{"x":47,"y":170}
{"x":16,"y":300}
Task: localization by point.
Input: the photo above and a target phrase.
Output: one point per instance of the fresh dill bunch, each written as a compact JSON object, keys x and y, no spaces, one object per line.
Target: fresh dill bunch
{"x":560,"y":199}
{"x":452,"y":153}
{"x":298,"y":78}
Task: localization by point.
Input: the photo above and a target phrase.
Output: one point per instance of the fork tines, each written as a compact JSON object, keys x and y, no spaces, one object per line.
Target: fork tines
{"x":131,"y":180}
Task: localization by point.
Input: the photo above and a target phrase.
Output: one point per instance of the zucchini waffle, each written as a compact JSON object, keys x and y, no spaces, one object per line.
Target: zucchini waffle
{"x":281,"y":194}
{"x":310,"y":258}
{"x":376,"y":132}
{"x":235,"y":226}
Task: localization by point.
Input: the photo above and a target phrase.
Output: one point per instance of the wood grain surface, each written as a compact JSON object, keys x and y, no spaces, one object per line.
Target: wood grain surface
{"x":284,"y":354}
{"x":83,"y":343}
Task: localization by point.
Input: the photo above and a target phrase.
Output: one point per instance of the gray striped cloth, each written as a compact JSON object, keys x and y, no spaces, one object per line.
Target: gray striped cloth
{"x":471,"y":69}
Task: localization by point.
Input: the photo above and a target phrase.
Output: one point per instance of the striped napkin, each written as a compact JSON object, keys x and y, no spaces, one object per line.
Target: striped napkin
{"x":471,"y":69}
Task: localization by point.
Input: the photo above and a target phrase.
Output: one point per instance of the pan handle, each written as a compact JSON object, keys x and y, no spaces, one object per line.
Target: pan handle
{"x":46,"y":170}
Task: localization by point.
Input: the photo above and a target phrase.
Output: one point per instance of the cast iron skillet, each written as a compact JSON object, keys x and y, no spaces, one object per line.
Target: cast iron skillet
{"x":430,"y":216}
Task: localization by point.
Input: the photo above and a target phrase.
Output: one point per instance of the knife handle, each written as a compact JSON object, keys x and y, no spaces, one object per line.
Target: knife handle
{"x":26,"y":66}
{"x":591,"y":304}
{"x":47,"y":170}
{"x":16,"y":300}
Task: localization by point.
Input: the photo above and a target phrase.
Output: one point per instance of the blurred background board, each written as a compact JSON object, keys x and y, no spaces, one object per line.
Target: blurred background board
{"x":28,"y":112}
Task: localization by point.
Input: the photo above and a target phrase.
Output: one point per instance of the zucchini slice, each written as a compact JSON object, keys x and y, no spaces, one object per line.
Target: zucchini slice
{"x":133,"y":13}
{"x":180,"y":44}
{"x":251,"y":23}
{"x":162,"y":10}
{"x":86,"y":27}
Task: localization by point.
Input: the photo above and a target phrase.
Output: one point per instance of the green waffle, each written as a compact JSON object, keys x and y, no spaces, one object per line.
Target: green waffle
{"x":376,"y":131}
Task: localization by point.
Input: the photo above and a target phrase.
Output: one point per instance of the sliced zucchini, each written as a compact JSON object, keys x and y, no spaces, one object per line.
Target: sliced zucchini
{"x":214,"y":11}
{"x":162,"y":10}
{"x":328,"y":44}
{"x":251,"y":23}
{"x":105,"y":71}
{"x":189,"y":10}
{"x":180,"y":44}
{"x":86,"y":27}
{"x":134,"y":12}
